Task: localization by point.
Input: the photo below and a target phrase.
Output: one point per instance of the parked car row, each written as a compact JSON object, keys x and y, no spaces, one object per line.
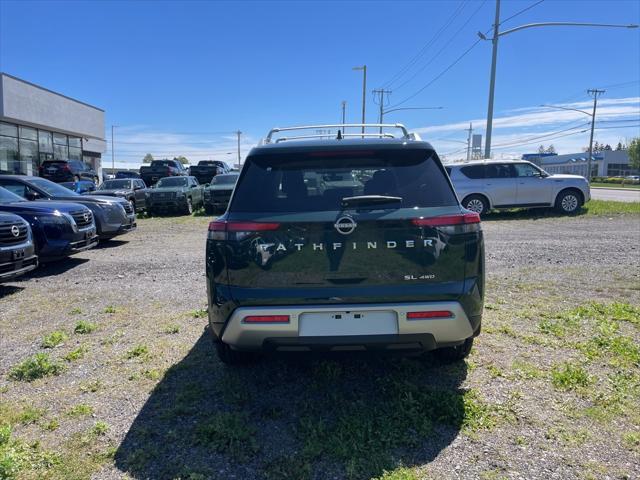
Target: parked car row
{"x":41,"y":222}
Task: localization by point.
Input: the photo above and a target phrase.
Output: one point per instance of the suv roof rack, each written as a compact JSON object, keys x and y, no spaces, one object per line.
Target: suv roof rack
{"x":340,"y":134}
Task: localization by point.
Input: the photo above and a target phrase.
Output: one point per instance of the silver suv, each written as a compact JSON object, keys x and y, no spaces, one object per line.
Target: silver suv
{"x":485,"y":185}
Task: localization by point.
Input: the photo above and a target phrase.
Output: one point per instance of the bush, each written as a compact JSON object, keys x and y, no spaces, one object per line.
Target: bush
{"x":37,"y":366}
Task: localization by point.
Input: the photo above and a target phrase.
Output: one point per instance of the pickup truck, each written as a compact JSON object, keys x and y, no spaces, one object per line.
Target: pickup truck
{"x":174,"y":194}
{"x":207,"y":169}
{"x":160,"y":169}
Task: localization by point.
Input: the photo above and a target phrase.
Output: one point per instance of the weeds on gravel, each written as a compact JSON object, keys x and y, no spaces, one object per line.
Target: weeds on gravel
{"x":99,"y":428}
{"x":199,"y":313}
{"x":17,"y":456}
{"x":569,"y":376}
{"x":92,"y":386}
{"x":401,"y":473}
{"x":139,"y":351}
{"x":53,"y":339}
{"x":230,"y":433}
{"x":83,"y":327}
{"x":37,"y":366}
{"x":110,"y":309}
{"x":526,"y":370}
{"x":288,"y":468}
{"x":80,"y":410}
{"x":31,"y":415}
{"x":76,"y":353}
{"x":631,"y":441}
{"x":171,"y":329}
{"x":75,"y":311}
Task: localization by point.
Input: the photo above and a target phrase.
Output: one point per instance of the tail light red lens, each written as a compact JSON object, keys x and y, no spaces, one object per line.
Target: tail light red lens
{"x":218,"y":230}
{"x":445,"y":220}
{"x":429,"y":314}
{"x":266,"y":319}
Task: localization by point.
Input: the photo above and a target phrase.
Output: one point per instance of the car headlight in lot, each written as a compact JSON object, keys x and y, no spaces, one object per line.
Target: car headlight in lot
{"x":57,"y":222}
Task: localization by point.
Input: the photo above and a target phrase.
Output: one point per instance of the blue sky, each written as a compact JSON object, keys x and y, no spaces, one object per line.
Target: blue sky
{"x":178,"y":77}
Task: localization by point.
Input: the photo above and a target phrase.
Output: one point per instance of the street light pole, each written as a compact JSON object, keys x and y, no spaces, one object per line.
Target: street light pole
{"x":344,"y":113}
{"x":494,"y":40}
{"x":595,"y":93}
{"x":238,"y":133}
{"x":113,"y":157}
{"x":364,"y":94}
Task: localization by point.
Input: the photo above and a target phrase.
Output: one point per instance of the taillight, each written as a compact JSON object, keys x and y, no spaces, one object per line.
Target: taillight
{"x":445,"y":220}
{"x":266,"y":319}
{"x":66,"y":167}
{"x":220,"y":229}
{"x":429,"y":314}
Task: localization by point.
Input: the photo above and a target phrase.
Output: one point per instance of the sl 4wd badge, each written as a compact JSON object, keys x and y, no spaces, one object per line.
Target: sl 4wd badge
{"x":423,"y":276}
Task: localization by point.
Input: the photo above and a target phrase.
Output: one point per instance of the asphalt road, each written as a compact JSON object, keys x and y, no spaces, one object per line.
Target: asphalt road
{"x":618,"y":195}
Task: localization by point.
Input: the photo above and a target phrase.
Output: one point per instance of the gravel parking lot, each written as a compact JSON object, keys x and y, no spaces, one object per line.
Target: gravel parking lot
{"x":551,"y":389}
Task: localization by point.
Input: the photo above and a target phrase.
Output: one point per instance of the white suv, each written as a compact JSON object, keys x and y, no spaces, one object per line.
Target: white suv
{"x":485,"y":185}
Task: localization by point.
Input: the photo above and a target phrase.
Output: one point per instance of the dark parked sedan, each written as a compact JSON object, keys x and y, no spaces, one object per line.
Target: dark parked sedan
{"x":59,"y":229}
{"x":113,"y":216}
{"x":17,"y":252}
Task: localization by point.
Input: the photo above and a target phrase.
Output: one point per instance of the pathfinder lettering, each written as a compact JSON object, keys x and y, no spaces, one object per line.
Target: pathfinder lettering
{"x":389,"y":245}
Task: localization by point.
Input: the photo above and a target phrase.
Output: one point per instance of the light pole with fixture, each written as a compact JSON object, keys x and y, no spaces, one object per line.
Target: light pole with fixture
{"x":496,"y":35}
{"x":364,"y":94}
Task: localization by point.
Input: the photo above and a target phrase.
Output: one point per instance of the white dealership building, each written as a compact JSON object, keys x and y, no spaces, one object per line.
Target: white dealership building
{"x":37,"y":124}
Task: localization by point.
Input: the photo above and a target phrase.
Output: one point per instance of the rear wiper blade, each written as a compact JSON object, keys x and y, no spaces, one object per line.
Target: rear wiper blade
{"x":369,"y":200}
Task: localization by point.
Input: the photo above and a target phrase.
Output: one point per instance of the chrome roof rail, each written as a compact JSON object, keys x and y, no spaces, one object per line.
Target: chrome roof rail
{"x":341,"y":126}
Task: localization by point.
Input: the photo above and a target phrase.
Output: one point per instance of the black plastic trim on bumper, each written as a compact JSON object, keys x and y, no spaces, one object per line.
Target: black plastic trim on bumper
{"x":406,"y":342}
{"x":32,"y":264}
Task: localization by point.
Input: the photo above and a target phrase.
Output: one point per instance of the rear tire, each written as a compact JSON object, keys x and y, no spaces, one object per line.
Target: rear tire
{"x":228,"y":356}
{"x":568,"y":202}
{"x":476,"y":203}
{"x":454,"y":354}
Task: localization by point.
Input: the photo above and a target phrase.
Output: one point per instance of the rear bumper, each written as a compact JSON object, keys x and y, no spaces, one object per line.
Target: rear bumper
{"x":422,"y":334}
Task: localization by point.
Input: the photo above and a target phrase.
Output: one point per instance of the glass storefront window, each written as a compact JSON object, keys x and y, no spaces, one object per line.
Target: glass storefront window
{"x":75,"y":153}
{"x":28,"y":133}
{"x":59,"y":139}
{"x":45,"y":140}
{"x":75,"y":142}
{"x":28,"y":157}
{"x":8,"y":154}
{"x":60,"y":152}
{"x":8,"y":129}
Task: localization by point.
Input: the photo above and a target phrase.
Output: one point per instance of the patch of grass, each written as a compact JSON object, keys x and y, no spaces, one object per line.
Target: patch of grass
{"x":494,"y":371}
{"x":631,"y":441}
{"x":37,"y":366}
{"x":152,"y":374}
{"x":199,"y":313}
{"x":91,"y":386}
{"x":30,"y":415}
{"x":110,"y":309}
{"x":401,"y":473}
{"x":526,"y":370}
{"x":288,"y":468}
{"x":75,"y":311}
{"x":569,"y":376}
{"x":83,"y":327}
{"x":80,"y":410}
{"x":609,"y":207}
{"x":230,"y":433}
{"x":76,"y":354}
{"x":99,"y":428}
{"x":139,"y":351}
{"x":171,"y":329}
{"x":18,"y":457}
{"x":52,"y":425}
{"x":53,"y":339}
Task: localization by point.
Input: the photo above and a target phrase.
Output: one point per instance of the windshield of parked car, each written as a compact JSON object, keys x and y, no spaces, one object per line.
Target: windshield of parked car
{"x":319,"y":181}
{"x":115,"y":184}
{"x":9,"y":197}
{"x":51,"y":188}
{"x":224,"y":179}
{"x":172,"y":182}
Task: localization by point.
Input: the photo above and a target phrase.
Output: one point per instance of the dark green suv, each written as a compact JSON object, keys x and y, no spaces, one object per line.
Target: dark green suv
{"x":386,"y":261}
{"x":174,"y":194}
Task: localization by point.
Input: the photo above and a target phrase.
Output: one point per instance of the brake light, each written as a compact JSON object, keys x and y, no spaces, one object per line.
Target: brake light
{"x":266,"y":319}
{"x":66,"y":167}
{"x":429,"y":314}
{"x":445,"y":220}
{"x":219,"y":229}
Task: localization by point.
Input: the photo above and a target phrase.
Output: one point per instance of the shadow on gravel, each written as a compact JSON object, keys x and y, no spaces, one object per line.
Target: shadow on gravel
{"x":529,"y":214}
{"x":293,"y":417}
{"x":7,"y":290}
{"x":54,"y":268}
{"x":112,"y":243}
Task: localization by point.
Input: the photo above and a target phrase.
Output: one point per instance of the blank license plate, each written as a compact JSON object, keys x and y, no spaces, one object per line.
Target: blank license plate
{"x":324,"y":324}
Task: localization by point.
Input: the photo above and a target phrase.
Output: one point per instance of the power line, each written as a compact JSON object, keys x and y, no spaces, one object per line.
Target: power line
{"x":443,"y":47}
{"x":521,"y":11}
{"x":454,"y":63}
{"x":426,"y":46}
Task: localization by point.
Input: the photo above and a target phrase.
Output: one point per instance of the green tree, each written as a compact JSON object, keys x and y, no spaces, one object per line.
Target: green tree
{"x":607,"y":147}
{"x":620,"y":147}
{"x":182,"y":159}
{"x":148,"y":158}
{"x":634,"y":153}
{"x":550,"y":149}
{"x":541,"y":149}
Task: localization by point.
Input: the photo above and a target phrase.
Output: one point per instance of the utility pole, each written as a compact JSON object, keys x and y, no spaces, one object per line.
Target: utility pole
{"x":470,"y":130}
{"x":381,"y":92}
{"x":492,"y":82}
{"x":113,"y":157}
{"x":344,"y":113}
{"x":364,"y":94}
{"x":595,"y":92}
{"x":238,"y":133}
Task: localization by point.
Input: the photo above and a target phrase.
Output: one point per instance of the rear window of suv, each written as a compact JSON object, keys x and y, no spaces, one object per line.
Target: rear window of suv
{"x":318,"y":181}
